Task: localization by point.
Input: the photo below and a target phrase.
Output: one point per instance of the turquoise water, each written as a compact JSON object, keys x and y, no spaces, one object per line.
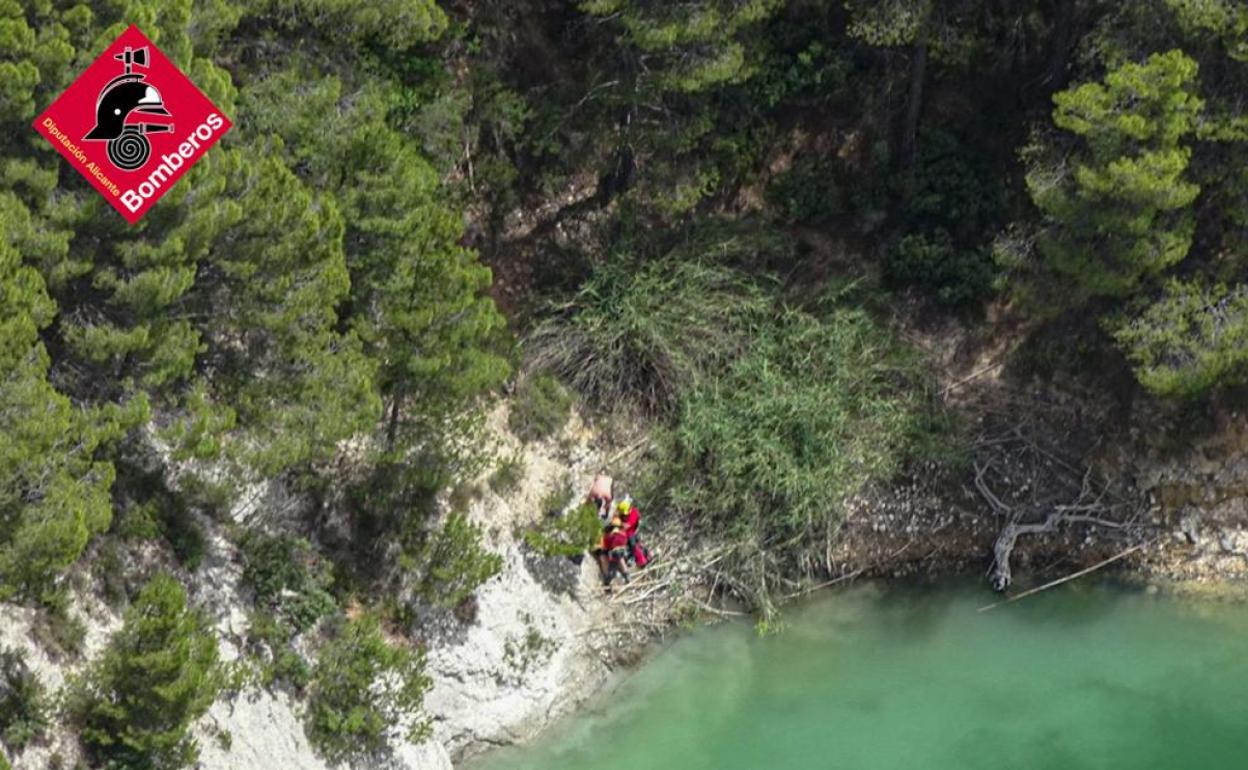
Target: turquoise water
{"x":875,"y":679}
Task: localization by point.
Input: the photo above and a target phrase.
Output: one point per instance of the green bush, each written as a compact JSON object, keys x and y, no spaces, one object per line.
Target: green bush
{"x":815,"y":409}
{"x":452,"y":562}
{"x":269,"y":639}
{"x":508,"y":475}
{"x":807,"y":192}
{"x":289,"y":579}
{"x":636,"y":336}
{"x":185,"y":536}
{"x":111,"y":569}
{"x":23,"y":702}
{"x":135,"y":704}
{"x":931,"y":261}
{"x":1193,"y":338}
{"x":559,"y":535}
{"x":952,"y":188}
{"x":361,"y":689}
{"x":152,"y":508}
{"x":540,"y":408}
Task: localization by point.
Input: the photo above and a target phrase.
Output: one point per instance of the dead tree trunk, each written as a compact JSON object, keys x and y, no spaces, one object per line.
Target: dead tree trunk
{"x":1045,"y":492}
{"x":999,"y":576}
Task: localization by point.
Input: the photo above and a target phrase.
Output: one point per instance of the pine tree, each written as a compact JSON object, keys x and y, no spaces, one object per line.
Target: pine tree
{"x":1123,"y":212}
{"x":363,"y":689}
{"x":54,"y":489}
{"x":1191,"y":339}
{"x":158,"y":674}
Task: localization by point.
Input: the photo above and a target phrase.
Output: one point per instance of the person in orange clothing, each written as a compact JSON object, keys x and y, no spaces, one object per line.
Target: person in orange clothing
{"x":615,"y":550}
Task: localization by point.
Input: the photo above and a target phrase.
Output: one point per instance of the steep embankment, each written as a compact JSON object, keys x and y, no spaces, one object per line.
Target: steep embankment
{"x":544,"y":636}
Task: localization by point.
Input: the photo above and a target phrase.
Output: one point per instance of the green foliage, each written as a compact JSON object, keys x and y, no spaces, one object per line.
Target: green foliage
{"x":363,"y":689}
{"x":289,"y":578}
{"x":508,"y":475}
{"x":807,"y":192}
{"x":952,"y":187}
{"x":887,"y":22}
{"x":1224,"y":20}
{"x":306,"y":273}
{"x":54,"y":490}
{"x":59,"y":631}
{"x":392,"y":26}
{"x":417,"y":297}
{"x":816,"y":408}
{"x":539,"y":409}
{"x":1192,"y":339}
{"x":24,"y":706}
{"x":270,"y":639}
{"x":636,"y":336}
{"x":695,"y":45}
{"x":147,"y":508}
{"x":560,"y":534}
{"x":950,"y":206}
{"x":956,"y":277}
{"x":453,"y":562}
{"x":185,"y":536}
{"x":1122,"y":213}
{"x":135,"y":704}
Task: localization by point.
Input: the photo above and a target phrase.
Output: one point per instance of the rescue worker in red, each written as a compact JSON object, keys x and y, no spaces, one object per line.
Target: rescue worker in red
{"x":614,"y":549}
{"x":630,"y":518}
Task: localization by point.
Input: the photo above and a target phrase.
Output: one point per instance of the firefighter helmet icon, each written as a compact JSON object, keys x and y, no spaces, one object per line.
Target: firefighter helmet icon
{"x":127,"y":95}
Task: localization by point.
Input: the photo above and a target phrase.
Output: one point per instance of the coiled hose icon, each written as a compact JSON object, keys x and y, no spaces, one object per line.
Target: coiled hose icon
{"x":130,"y":150}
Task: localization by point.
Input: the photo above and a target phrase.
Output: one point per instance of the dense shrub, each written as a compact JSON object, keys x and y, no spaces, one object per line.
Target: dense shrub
{"x":23,"y":702}
{"x":952,"y":188}
{"x":570,"y":534}
{"x":135,"y":704}
{"x":635,"y":336}
{"x":270,"y":641}
{"x":540,"y":408}
{"x":452,"y":562}
{"x":362,"y":690}
{"x":815,"y":409}
{"x":807,"y":192}
{"x":150,"y":508}
{"x":931,"y":261}
{"x":289,"y":579}
{"x":508,"y":474}
{"x":1191,"y":339}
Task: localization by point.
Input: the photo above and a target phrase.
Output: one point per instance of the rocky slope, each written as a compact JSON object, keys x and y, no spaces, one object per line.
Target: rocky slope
{"x":542,"y":639}
{"x":545,"y":636}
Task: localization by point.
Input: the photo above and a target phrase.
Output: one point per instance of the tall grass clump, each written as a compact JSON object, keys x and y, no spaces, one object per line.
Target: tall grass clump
{"x":816,"y":408}
{"x":636,"y":336}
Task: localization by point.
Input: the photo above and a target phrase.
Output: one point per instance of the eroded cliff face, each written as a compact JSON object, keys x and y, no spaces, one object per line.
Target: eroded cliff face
{"x":543,"y":638}
{"x":546,"y":636}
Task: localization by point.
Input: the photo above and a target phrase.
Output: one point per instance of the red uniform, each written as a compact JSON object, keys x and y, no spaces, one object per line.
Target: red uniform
{"x":614,"y":540}
{"x":632,"y":521}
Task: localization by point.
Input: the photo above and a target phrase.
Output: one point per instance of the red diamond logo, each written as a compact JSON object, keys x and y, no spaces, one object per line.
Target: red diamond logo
{"x":132,"y":124}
